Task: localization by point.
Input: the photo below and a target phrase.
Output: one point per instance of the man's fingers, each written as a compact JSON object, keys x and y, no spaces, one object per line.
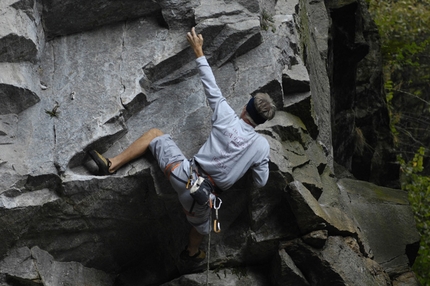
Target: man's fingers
{"x":193,"y":38}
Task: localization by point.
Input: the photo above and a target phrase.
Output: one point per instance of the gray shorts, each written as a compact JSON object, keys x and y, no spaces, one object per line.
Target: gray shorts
{"x":167,"y":152}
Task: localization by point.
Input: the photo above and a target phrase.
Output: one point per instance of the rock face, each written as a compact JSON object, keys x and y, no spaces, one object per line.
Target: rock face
{"x":80,"y":75}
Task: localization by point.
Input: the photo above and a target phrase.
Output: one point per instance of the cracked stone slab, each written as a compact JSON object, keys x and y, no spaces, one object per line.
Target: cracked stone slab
{"x":219,"y":8}
{"x":19,"y":33}
{"x":68,"y":17}
{"x":8,"y":128}
{"x":37,"y":266}
{"x":242,"y":276}
{"x":53,"y":273}
{"x":19,"y":264}
{"x":18,"y":87}
{"x":36,"y":198}
{"x":388,"y":232}
{"x":285,"y":272}
{"x":336,"y":263}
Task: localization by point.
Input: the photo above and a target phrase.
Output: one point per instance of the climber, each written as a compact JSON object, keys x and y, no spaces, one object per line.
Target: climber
{"x":232,"y":148}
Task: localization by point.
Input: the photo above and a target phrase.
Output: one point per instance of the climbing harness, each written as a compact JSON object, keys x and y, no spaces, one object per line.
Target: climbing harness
{"x":200,"y":184}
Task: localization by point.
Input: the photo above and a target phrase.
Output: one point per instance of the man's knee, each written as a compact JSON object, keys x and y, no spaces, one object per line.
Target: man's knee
{"x":155,"y":132}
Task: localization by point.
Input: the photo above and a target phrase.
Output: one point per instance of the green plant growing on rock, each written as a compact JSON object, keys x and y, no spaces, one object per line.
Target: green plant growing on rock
{"x":240,"y":272}
{"x":218,"y":270}
{"x":54,"y":112}
{"x":418,"y":188}
{"x":267,"y":21}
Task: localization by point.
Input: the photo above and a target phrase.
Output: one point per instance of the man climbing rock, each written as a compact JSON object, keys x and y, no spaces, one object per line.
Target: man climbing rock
{"x":232,"y":148}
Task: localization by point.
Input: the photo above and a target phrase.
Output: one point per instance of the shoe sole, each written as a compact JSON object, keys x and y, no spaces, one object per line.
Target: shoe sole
{"x":97,"y":158}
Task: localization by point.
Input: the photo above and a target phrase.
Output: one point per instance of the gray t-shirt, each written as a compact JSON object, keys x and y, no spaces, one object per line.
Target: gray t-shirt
{"x":233,"y":146}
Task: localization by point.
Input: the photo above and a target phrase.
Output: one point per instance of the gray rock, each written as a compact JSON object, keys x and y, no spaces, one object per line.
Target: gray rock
{"x":19,"y":32}
{"x":316,"y":238}
{"x":336,"y":264}
{"x":111,"y":71}
{"x":36,"y":266}
{"x":37,"y":198}
{"x":243,"y":276}
{"x":390,"y":212}
{"x":308,"y":176}
{"x":18,"y":87}
{"x":309,"y":214}
{"x":408,"y":278}
{"x":285,"y":272}
{"x":178,"y":13}
{"x":68,"y":17}
{"x":8,"y":128}
{"x":19,"y":264}
{"x":314,"y":25}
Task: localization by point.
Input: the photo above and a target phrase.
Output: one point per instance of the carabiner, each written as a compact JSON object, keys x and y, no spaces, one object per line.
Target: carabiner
{"x":217,"y":226}
{"x":190,"y":177}
{"x":219,"y":205}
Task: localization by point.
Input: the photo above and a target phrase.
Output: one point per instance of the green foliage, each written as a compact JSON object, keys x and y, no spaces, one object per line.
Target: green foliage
{"x":403,"y":26}
{"x":418,"y":187}
{"x":266,"y":21}
{"x":405,"y":44}
{"x":394,"y":119}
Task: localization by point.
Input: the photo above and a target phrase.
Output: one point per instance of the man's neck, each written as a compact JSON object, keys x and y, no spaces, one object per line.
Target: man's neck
{"x":247,"y":122}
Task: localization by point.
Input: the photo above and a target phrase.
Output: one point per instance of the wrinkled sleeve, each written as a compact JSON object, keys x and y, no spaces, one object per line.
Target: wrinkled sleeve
{"x":212,"y":91}
{"x":260,"y":171}
{"x":260,"y":174}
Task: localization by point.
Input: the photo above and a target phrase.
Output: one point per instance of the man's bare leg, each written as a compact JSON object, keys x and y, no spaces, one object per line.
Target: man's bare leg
{"x":135,"y":150}
{"x":194,"y":241}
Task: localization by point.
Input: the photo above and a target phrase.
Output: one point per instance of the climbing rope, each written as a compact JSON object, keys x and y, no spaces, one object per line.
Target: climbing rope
{"x":209,"y":248}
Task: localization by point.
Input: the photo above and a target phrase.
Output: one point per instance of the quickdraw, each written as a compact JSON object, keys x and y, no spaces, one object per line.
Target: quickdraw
{"x":216,"y":228}
{"x":217,"y":224}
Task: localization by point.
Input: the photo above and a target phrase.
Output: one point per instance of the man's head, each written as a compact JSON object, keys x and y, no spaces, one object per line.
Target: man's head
{"x":259,"y":109}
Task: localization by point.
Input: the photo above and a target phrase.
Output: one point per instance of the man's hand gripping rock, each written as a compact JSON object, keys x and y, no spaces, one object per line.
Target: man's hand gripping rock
{"x":196,"y":42}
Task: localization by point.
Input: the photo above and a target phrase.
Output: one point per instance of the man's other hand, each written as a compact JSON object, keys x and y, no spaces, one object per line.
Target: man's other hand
{"x":196,"y":42}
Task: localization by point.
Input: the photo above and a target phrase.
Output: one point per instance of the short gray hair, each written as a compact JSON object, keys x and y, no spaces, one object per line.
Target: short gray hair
{"x":265,"y":105}
{"x":259,"y":109}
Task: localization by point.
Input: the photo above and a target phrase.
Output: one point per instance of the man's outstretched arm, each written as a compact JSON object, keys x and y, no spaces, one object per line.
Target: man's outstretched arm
{"x":212,"y":91}
{"x":196,"y":42}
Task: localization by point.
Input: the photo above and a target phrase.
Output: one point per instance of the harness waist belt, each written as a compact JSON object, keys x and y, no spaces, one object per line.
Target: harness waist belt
{"x":204,"y":174}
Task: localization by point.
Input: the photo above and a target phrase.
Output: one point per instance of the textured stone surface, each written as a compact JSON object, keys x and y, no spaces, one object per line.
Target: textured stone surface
{"x":20,"y":31}
{"x":389,"y":210}
{"x":68,"y":17}
{"x":285,"y":272}
{"x":336,"y":264}
{"x":18,"y":87}
{"x":36,"y":267}
{"x":103,"y":72}
{"x":226,"y":277}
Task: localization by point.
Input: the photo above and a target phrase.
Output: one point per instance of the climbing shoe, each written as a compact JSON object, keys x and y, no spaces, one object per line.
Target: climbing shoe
{"x":196,"y":258}
{"x":102,"y":162}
